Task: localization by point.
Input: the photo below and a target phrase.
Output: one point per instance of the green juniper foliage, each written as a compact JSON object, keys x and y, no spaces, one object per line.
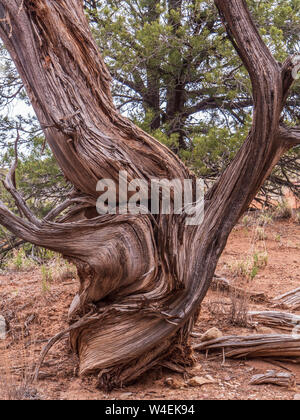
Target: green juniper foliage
{"x":177,"y":75}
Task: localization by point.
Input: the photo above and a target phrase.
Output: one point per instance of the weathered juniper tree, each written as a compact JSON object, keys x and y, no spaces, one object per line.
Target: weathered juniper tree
{"x":142,"y":277}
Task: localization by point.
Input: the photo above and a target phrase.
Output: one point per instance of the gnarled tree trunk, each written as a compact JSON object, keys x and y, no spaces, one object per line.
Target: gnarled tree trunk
{"x":142,"y":277}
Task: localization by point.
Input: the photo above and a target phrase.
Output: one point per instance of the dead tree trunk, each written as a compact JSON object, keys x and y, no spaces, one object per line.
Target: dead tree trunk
{"x":142,"y":278}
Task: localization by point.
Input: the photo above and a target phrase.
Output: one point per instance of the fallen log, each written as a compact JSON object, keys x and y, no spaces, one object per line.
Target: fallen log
{"x":289,"y":300}
{"x":223,"y":284}
{"x":258,"y":345}
{"x":284,"y":379}
{"x":285,"y":321}
{"x":275,"y":319}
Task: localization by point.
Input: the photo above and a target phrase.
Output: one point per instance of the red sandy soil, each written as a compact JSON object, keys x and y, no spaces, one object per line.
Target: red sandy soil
{"x":22,"y":300}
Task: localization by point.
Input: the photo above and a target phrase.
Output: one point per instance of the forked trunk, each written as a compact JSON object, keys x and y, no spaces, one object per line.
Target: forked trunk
{"x":142,"y":277}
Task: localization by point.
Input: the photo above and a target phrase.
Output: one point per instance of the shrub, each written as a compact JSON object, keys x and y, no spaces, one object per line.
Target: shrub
{"x":282,"y":211}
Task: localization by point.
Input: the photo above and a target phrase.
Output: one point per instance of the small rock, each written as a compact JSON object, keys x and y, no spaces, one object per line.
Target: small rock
{"x":200,"y":381}
{"x":125,"y":395}
{"x":211,"y":334}
{"x":196,"y":370}
{"x":297,"y":397}
{"x":260,"y":329}
{"x":174,"y":383}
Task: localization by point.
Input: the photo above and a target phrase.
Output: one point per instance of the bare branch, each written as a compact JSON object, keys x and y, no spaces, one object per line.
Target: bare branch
{"x":84,"y":202}
{"x":289,"y":71}
{"x":10,"y":185}
{"x":216,"y":103}
{"x":247,"y":41}
{"x":8,"y":246}
{"x":289,"y":135}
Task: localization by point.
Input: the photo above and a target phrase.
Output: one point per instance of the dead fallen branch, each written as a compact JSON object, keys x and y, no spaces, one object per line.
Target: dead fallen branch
{"x":281,"y":346}
{"x":220,"y":283}
{"x":275,"y":319}
{"x":289,"y":300}
{"x":284,"y":379}
{"x":7,"y":246}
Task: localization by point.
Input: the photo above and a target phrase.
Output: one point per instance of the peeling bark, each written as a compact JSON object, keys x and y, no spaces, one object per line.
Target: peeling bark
{"x":142,"y":278}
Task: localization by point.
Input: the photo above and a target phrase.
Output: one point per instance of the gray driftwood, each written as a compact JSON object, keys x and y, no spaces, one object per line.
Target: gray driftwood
{"x":284,"y":379}
{"x":276,"y":319}
{"x":289,"y":300}
{"x":281,"y":346}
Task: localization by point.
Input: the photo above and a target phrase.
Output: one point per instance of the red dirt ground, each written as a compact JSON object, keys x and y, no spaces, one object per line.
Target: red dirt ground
{"x":23,"y":302}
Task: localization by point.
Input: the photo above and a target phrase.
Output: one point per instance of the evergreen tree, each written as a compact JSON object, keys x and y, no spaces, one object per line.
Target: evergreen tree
{"x":177,"y":75}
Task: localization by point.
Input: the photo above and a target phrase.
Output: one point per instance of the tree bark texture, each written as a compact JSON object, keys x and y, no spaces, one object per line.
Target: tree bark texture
{"x":142,"y":277}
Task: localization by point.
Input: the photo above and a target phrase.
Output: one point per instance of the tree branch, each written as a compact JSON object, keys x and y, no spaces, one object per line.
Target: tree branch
{"x":289,"y":71}
{"x":246,"y":39}
{"x":10,"y":185}
{"x":289,"y":135}
{"x":216,"y":103}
